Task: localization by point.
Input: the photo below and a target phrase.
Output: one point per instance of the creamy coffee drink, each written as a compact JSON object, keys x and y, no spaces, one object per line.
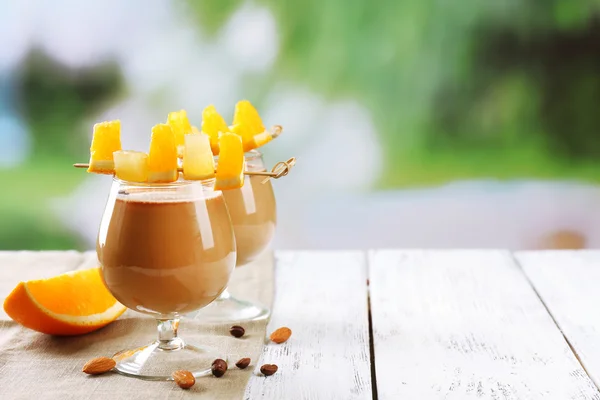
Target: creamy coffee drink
{"x":166,"y":253}
{"x":253,"y":215}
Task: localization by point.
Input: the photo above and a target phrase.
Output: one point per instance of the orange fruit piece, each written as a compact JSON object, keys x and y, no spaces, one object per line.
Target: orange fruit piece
{"x":106,"y":140}
{"x":213,"y":124}
{"x":230,"y":167}
{"x":162,"y":158}
{"x":247,"y":124}
{"x":68,"y":304}
{"x":181,"y":126}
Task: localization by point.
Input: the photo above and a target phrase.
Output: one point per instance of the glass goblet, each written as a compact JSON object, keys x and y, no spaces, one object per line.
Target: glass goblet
{"x":254,"y":216}
{"x":166,"y":250}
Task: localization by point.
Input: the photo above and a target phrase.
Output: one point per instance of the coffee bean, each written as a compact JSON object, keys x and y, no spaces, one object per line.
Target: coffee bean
{"x":268,"y":369}
{"x":243,"y":363}
{"x":237,"y":331}
{"x":219,"y":367}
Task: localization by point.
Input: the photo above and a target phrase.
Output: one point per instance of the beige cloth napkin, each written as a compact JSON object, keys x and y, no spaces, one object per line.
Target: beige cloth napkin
{"x":38,"y":366}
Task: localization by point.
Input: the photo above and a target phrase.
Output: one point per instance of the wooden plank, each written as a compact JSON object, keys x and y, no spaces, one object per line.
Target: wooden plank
{"x":466,"y":324}
{"x":567,"y":283}
{"x":322,"y":297}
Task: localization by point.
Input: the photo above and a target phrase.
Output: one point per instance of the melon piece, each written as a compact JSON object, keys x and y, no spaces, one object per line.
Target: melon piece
{"x":131,"y":166}
{"x":105,"y":141}
{"x":230,"y":169}
{"x":198,"y":160}
{"x":162,"y":158}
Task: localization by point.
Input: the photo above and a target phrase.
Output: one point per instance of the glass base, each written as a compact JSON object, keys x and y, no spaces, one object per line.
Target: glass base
{"x":155,"y":362}
{"x":226,"y":309}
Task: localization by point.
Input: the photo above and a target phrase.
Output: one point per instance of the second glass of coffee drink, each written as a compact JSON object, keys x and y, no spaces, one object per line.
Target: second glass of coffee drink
{"x":253,"y":215}
{"x":166,"y":250}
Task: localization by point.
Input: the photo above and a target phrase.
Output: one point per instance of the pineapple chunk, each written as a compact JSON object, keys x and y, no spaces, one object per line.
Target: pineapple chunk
{"x":162,"y":159}
{"x":198,"y":160}
{"x":230,"y":169}
{"x":247,"y":124}
{"x":106,"y":140}
{"x":131,"y":166}
{"x":213,"y":124}
{"x":181,"y":126}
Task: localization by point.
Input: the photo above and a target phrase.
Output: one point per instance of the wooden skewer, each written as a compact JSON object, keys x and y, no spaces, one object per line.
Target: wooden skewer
{"x":276,"y":130}
{"x":280,"y":169}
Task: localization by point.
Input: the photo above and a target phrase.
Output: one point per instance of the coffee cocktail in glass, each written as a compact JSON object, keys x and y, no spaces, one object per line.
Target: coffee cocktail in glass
{"x":166,"y":250}
{"x":253,"y":215}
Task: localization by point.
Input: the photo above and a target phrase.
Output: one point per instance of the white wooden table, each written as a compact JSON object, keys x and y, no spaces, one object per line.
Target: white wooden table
{"x":435,"y":325}
{"x":374,"y":325}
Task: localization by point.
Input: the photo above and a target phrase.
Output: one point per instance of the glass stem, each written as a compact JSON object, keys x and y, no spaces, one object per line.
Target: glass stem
{"x":167,"y":334}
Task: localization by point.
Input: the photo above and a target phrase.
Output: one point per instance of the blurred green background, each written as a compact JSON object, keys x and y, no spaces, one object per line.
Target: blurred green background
{"x":456,"y":90}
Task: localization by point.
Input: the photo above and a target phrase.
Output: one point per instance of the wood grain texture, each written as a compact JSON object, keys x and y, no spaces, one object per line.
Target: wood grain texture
{"x":322,"y":297}
{"x":466,"y":325}
{"x":568,"y":284}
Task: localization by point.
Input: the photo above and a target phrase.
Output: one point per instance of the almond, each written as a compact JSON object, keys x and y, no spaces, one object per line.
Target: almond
{"x":99,"y":365}
{"x":281,"y":335}
{"x":184,"y":379}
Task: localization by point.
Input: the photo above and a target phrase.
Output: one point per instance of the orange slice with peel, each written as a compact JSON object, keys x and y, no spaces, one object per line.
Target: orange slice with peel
{"x":68,"y":304}
{"x":106,"y":140}
{"x":248,"y":124}
{"x":181,"y":126}
{"x":230,"y":168}
{"x":162,"y":158}
{"x":213,"y":124}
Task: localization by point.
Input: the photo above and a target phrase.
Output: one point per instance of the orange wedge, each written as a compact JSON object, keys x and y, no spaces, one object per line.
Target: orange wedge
{"x":230,"y":168}
{"x":213,"y":124}
{"x":69,"y":304}
{"x":181,"y":126}
{"x":162,"y":158}
{"x":247,"y":124}
{"x":106,"y":140}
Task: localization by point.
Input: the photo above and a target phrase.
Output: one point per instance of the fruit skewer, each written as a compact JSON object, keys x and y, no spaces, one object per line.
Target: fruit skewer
{"x":280,"y":169}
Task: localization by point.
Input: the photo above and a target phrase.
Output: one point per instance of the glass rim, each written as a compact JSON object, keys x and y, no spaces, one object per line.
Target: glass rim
{"x":252,"y":155}
{"x":180,"y":182}
{"x":248,"y":156}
